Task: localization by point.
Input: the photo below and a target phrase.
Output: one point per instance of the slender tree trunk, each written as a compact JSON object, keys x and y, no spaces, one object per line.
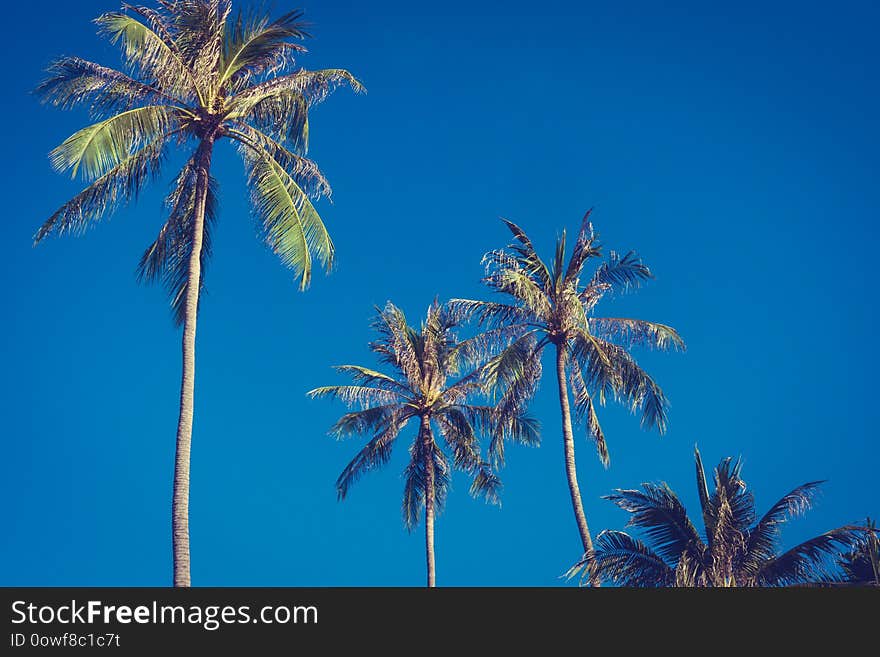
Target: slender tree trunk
{"x":180,"y":501}
{"x":568,"y":443}
{"x":429,"y":500}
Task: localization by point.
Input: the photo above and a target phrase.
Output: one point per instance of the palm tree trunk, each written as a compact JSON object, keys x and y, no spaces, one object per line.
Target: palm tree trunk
{"x":429,"y":499}
{"x":568,"y":443}
{"x":180,"y":501}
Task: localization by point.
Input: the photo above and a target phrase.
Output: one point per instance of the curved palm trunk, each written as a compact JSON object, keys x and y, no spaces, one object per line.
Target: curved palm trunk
{"x":429,"y":500}
{"x":180,"y":501}
{"x":568,"y":443}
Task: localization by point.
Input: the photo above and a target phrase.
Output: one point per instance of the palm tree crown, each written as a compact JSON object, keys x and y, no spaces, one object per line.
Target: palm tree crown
{"x":435,"y":379}
{"x":193,"y":75}
{"x":550,"y":305}
{"x":735,"y":548}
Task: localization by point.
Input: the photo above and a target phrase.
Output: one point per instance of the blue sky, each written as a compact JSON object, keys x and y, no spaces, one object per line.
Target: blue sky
{"x":734,"y":148}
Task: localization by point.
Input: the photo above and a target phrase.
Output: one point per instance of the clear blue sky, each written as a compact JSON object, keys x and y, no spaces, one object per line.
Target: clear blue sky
{"x":735,"y":148}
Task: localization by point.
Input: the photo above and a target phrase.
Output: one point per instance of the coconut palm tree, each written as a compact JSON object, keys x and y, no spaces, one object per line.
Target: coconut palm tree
{"x":195,"y":75}
{"x":733,"y":550}
{"x":550,"y":306}
{"x":861,"y":565}
{"x":433,"y":386}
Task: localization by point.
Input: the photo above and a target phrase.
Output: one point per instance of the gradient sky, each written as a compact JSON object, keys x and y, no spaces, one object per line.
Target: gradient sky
{"x":735,"y":148}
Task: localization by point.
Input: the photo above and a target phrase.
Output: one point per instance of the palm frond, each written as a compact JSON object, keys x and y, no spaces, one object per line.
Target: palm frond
{"x":167,"y":258}
{"x":730,"y":486}
{"x":703,"y":492}
{"x":365,"y":421}
{"x":74,"y":81}
{"x":808,"y":562}
{"x":374,"y":454}
{"x":119,"y":185}
{"x":486,"y":484}
{"x":460,"y":437}
{"x":97,"y":149}
{"x":397,"y":343}
{"x":527,"y":257}
{"x":763,"y":538}
{"x":636,"y":332}
{"x":517,"y":282}
{"x":292,"y":227}
{"x":625,"y":561}
{"x":584,"y":248}
{"x":585,"y":412}
{"x":657,"y":510}
{"x":366,"y":376}
{"x":149,"y":55}
{"x":256,"y":45}
{"x":632,"y":384}
{"x":355,"y":395}
{"x":619,"y":272}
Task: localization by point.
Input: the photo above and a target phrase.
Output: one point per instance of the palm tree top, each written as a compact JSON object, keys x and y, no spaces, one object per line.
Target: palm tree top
{"x":735,"y":547}
{"x":555,"y":304}
{"x":194,"y":72}
{"x":434,"y":379}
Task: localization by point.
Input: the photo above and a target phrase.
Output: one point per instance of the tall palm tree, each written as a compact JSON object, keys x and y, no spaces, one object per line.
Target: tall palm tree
{"x":734,"y":550}
{"x":430,"y":387}
{"x":550,"y":306}
{"x":861,"y":565}
{"x":193,"y":76}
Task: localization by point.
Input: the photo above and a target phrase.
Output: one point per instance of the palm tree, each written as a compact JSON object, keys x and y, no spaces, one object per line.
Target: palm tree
{"x":734,"y":549}
{"x":193,"y":76}
{"x":427,"y":387}
{"x":861,"y":565}
{"x":550,"y":306}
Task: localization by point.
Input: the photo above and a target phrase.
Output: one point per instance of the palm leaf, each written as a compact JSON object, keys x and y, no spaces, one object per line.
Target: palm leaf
{"x":119,"y":185}
{"x":167,"y":258}
{"x":100,"y":147}
{"x":292,"y":227}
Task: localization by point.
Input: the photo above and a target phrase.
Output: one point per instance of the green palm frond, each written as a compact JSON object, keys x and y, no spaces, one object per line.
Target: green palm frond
{"x":657,"y":510}
{"x":586,"y":412}
{"x":518,"y":283}
{"x":703,"y":491}
{"x":292,"y":227}
{"x":763,"y":538}
{"x":256,"y":45}
{"x":74,"y":81}
{"x":527,"y":257}
{"x":730,"y":487}
{"x":352,"y":395}
{"x":585,"y":248}
{"x":808,"y":562}
{"x":621,"y":272}
{"x":97,"y":149}
{"x":367,"y":420}
{"x":376,"y":453}
{"x":460,"y":437}
{"x":631,"y":384}
{"x":636,"y":332}
{"x":487,"y":485}
{"x":366,"y":376}
{"x":150,"y":56}
{"x":397,"y":345}
{"x":199,"y":28}
{"x":625,"y":561}
{"x":118,"y":186}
